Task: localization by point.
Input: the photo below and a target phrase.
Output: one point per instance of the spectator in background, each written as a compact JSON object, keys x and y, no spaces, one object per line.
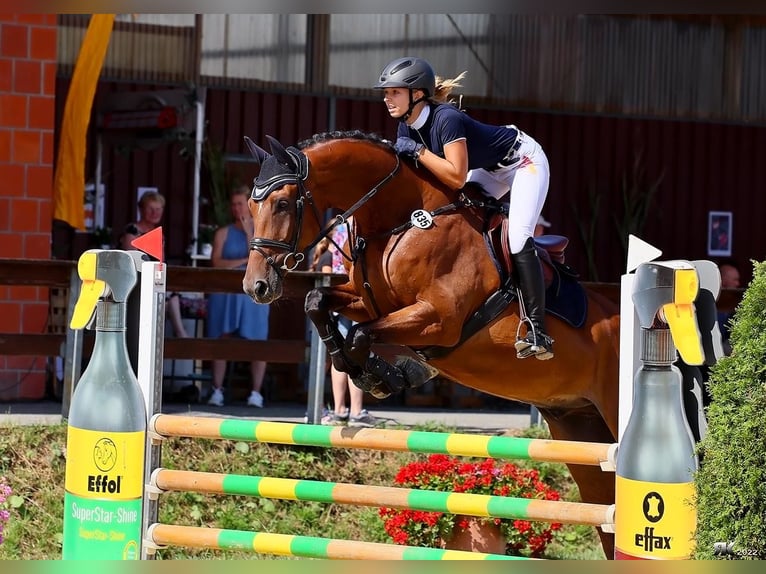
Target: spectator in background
{"x":730,"y":279}
{"x":235,"y":314}
{"x":332,"y":261}
{"x":729,"y":274}
{"x":151,"y":208}
{"x":319,"y":251}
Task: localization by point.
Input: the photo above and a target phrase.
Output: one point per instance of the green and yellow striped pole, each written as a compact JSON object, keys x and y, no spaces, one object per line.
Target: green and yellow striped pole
{"x":376,"y":496}
{"x":302,"y":546}
{"x":455,"y":444}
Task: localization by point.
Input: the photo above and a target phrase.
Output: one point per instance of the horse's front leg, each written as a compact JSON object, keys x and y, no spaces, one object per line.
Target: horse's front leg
{"x":380,"y":377}
{"x":319,"y":305}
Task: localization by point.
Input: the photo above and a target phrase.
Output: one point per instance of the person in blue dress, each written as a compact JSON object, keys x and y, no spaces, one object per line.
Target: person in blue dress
{"x":507,"y":162}
{"x":235,"y":314}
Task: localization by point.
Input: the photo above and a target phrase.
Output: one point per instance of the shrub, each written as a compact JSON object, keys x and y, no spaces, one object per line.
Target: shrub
{"x":731,"y":481}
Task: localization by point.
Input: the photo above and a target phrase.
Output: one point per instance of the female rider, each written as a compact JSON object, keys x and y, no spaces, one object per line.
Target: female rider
{"x":458,"y":149}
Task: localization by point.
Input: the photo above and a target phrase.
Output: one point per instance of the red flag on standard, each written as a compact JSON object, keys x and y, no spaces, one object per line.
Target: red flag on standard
{"x":150,"y":243}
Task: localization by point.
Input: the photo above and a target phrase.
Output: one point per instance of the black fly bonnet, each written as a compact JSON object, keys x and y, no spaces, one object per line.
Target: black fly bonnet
{"x":285,"y":166}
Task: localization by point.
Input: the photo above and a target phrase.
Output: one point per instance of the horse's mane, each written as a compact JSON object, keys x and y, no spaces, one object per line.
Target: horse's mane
{"x":340,"y":135}
{"x":380,"y":141}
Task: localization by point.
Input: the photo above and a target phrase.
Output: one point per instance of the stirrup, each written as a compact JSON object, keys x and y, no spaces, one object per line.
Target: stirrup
{"x":536,"y":344}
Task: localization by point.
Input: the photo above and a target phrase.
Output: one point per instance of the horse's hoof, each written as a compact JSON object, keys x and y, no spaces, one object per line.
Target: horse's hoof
{"x":415,"y":372}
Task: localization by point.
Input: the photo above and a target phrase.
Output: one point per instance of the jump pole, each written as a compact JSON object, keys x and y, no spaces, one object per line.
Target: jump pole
{"x":455,"y":444}
{"x":392,"y":497}
{"x":302,"y":546}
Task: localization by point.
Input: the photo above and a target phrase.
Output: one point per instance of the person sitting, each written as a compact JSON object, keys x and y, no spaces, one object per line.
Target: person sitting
{"x":151,"y":208}
{"x":730,"y":279}
{"x":235,"y":314}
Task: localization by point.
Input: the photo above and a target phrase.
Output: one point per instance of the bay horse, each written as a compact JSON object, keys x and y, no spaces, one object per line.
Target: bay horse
{"x":419,"y":268}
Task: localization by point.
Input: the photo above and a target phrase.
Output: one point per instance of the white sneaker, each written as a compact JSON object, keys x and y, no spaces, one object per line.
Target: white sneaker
{"x":255,"y":400}
{"x":216,"y":399}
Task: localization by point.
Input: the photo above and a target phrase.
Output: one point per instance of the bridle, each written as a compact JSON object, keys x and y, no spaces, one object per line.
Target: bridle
{"x":293,"y":257}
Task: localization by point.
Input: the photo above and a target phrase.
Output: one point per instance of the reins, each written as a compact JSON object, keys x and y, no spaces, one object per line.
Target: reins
{"x":293,"y":257}
{"x":304,"y":195}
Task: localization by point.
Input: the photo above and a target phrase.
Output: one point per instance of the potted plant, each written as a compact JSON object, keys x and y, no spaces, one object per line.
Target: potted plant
{"x":491,"y":477}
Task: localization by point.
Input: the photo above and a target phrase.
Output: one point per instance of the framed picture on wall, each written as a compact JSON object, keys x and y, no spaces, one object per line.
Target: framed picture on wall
{"x":719,"y":233}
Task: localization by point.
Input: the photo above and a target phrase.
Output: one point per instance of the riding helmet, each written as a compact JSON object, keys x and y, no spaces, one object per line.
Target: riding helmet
{"x":413,"y":73}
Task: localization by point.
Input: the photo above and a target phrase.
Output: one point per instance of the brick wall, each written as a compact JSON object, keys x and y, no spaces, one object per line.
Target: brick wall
{"x":27,"y":94}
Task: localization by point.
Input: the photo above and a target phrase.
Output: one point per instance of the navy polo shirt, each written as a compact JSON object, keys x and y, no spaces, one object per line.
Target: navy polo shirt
{"x":487,"y":144}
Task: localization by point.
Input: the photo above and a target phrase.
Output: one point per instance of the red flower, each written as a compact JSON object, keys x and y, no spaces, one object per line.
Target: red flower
{"x":491,"y":477}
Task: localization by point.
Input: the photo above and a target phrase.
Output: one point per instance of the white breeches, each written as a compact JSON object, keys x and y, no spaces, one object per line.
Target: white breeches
{"x":527,"y":180}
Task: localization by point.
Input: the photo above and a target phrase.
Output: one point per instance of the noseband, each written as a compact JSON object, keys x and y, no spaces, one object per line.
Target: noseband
{"x":263,"y":189}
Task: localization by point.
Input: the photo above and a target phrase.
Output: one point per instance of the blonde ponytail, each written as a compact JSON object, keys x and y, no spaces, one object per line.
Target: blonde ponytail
{"x":444,"y":88}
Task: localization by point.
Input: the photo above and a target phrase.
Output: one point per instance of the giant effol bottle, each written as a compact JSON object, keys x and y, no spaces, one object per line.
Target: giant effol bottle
{"x":106,"y":432}
{"x":655,"y":514}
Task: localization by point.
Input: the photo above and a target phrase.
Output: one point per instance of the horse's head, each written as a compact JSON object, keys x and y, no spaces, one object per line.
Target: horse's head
{"x":348,"y":169}
{"x":277,"y":203}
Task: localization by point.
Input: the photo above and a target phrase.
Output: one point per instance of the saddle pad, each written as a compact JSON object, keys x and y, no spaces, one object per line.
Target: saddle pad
{"x":565,"y":297}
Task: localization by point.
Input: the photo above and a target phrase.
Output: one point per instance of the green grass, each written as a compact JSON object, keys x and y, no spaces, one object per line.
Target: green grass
{"x":32,"y":458}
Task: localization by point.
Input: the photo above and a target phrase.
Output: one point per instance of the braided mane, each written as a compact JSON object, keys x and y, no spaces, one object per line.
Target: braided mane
{"x":339,"y":135}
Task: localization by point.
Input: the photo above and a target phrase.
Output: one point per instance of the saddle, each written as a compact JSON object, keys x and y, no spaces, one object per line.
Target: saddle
{"x":550,"y":248}
{"x":564,"y":296}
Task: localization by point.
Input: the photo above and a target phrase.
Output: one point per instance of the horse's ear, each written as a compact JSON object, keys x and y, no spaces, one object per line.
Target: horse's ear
{"x":258,"y":153}
{"x":280,"y":152}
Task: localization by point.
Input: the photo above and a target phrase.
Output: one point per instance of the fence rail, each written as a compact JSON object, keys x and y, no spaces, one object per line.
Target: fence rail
{"x":63,"y":275}
{"x":59,"y":274}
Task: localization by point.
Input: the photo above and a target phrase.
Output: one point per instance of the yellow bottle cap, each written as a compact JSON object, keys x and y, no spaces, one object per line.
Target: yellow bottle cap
{"x":90,"y":291}
{"x":681,"y":316}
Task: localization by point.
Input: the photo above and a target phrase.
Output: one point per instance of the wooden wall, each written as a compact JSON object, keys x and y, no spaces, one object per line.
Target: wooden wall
{"x":595,"y":160}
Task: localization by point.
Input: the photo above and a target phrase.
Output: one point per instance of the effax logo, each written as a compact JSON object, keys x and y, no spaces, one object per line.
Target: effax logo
{"x":654,"y":509}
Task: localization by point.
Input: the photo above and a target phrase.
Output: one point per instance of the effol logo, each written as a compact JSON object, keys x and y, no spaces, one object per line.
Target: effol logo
{"x":105,"y":454}
{"x":103,"y":484}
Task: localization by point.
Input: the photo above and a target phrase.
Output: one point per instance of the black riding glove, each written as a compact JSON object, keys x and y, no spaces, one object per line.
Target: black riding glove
{"x":408,"y":147}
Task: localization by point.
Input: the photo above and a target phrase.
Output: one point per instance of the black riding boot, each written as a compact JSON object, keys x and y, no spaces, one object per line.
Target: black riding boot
{"x":532,"y":298}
